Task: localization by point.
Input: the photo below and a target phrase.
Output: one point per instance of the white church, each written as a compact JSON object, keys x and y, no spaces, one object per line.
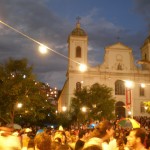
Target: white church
{"x":117,"y":70}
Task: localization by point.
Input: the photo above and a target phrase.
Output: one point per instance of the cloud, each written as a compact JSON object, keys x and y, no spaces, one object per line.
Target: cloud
{"x":35,"y":19}
{"x":143,"y":7}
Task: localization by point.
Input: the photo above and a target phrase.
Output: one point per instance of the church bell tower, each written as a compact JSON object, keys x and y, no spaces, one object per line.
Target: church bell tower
{"x":145,"y":51}
{"x":77,"y":47}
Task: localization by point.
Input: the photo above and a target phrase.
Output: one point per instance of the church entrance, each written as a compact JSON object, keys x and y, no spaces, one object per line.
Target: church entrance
{"x":120,"y":110}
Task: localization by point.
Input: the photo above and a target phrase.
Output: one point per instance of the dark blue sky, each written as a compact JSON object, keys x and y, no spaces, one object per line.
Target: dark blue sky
{"x":51,"y":21}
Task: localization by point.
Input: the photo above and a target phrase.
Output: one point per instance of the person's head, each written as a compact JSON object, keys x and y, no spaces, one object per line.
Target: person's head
{"x":93,"y":144}
{"x":42,"y":142}
{"x":92,"y":147}
{"x":81,"y":133}
{"x":104,"y":130}
{"x":136,"y":136}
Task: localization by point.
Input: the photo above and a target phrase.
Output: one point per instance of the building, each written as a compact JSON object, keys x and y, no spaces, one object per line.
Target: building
{"x":51,"y":93}
{"x":118,"y":66}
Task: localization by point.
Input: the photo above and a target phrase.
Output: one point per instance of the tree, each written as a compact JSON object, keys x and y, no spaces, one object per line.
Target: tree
{"x":18,"y":85}
{"x":98,"y":101}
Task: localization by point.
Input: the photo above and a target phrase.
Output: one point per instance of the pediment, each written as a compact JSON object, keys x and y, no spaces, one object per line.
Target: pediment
{"x":119,"y":46}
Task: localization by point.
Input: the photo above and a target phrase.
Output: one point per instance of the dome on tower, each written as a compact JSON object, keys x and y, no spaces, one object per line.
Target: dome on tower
{"x":78,"y":31}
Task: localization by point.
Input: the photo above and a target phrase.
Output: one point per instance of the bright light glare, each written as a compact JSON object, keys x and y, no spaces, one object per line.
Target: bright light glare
{"x":142,"y":85}
{"x":64,"y":108}
{"x":82,"y":67}
{"x":146,"y":107}
{"x":84,"y":109}
{"x":128,"y":84}
{"x":19,"y":105}
{"x":129,"y":112}
{"x":43,"y":49}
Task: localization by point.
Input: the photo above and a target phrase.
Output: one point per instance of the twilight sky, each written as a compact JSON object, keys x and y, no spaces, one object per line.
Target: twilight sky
{"x":51,"y":21}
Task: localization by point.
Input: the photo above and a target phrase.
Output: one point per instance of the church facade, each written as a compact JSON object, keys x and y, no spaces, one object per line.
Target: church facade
{"x":118,"y":67}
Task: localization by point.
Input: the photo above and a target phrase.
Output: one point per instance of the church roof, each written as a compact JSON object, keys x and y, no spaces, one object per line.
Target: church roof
{"x":117,"y":45}
{"x":78,"y":31}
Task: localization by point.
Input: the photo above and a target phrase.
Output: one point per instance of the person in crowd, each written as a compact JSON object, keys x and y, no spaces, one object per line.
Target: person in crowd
{"x":93,"y":144}
{"x":42,"y":141}
{"x":136,"y":139}
{"x":9,"y":141}
{"x":80,"y":142}
{"x":103,"y":132}
{"x":25,"y":138}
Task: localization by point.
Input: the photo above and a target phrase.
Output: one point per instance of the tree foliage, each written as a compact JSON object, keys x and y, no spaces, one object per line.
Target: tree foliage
{"x":18,"y":85}
{"x":97,"y":99}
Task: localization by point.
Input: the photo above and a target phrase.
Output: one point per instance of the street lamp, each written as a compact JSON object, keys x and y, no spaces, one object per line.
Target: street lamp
{"x":84,"y":109}
{"x":64,"y":108}
{"x":43,"y":49}
{"x":18,"y":105}
{"x":82,"y":67}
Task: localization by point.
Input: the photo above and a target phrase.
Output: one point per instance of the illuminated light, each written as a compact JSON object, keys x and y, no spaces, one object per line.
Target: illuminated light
{"x":128,"y":84}
{"x":64,"y":108}
{"x":84,"y":109}
{"x":82,"y":67}
{"x":47,"y":95}
{"x":24,"y":76}
{"x":19,"y":105}
{"x":26,"y":111}
{"x":43,"y":49}
{"x":129,"y":112}
{"x":146,"y":107}
{"x":82,"y":82}
{"x":142,"y":85}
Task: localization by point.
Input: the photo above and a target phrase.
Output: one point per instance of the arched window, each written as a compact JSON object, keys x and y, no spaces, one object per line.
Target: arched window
{"x":120,"y":109}
{"x":142,"y":91}
{"x":119,"y":67}
{"x":143,"y":110}
{"x":78,"y":86}
{"x":78,"y":51}
{"x":119,"y":87}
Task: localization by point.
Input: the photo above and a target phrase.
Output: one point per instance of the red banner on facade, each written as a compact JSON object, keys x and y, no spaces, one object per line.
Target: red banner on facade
{"x":128,"y":97}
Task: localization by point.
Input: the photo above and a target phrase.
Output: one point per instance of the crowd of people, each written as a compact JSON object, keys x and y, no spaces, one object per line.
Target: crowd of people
{"x":106,"y":135}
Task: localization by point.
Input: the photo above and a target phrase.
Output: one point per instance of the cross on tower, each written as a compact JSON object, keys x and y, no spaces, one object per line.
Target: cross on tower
{"x":78,"y":19}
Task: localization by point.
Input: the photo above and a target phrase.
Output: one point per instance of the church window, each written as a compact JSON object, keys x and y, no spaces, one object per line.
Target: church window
{"x":145,"y":57}
{"x":78,"y":51}
{"x":119,"y":87}
{"x":119,"y":67}
{"x":78,"y":86}
{"x":142,"y":91}
{"x":143,"y":110}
